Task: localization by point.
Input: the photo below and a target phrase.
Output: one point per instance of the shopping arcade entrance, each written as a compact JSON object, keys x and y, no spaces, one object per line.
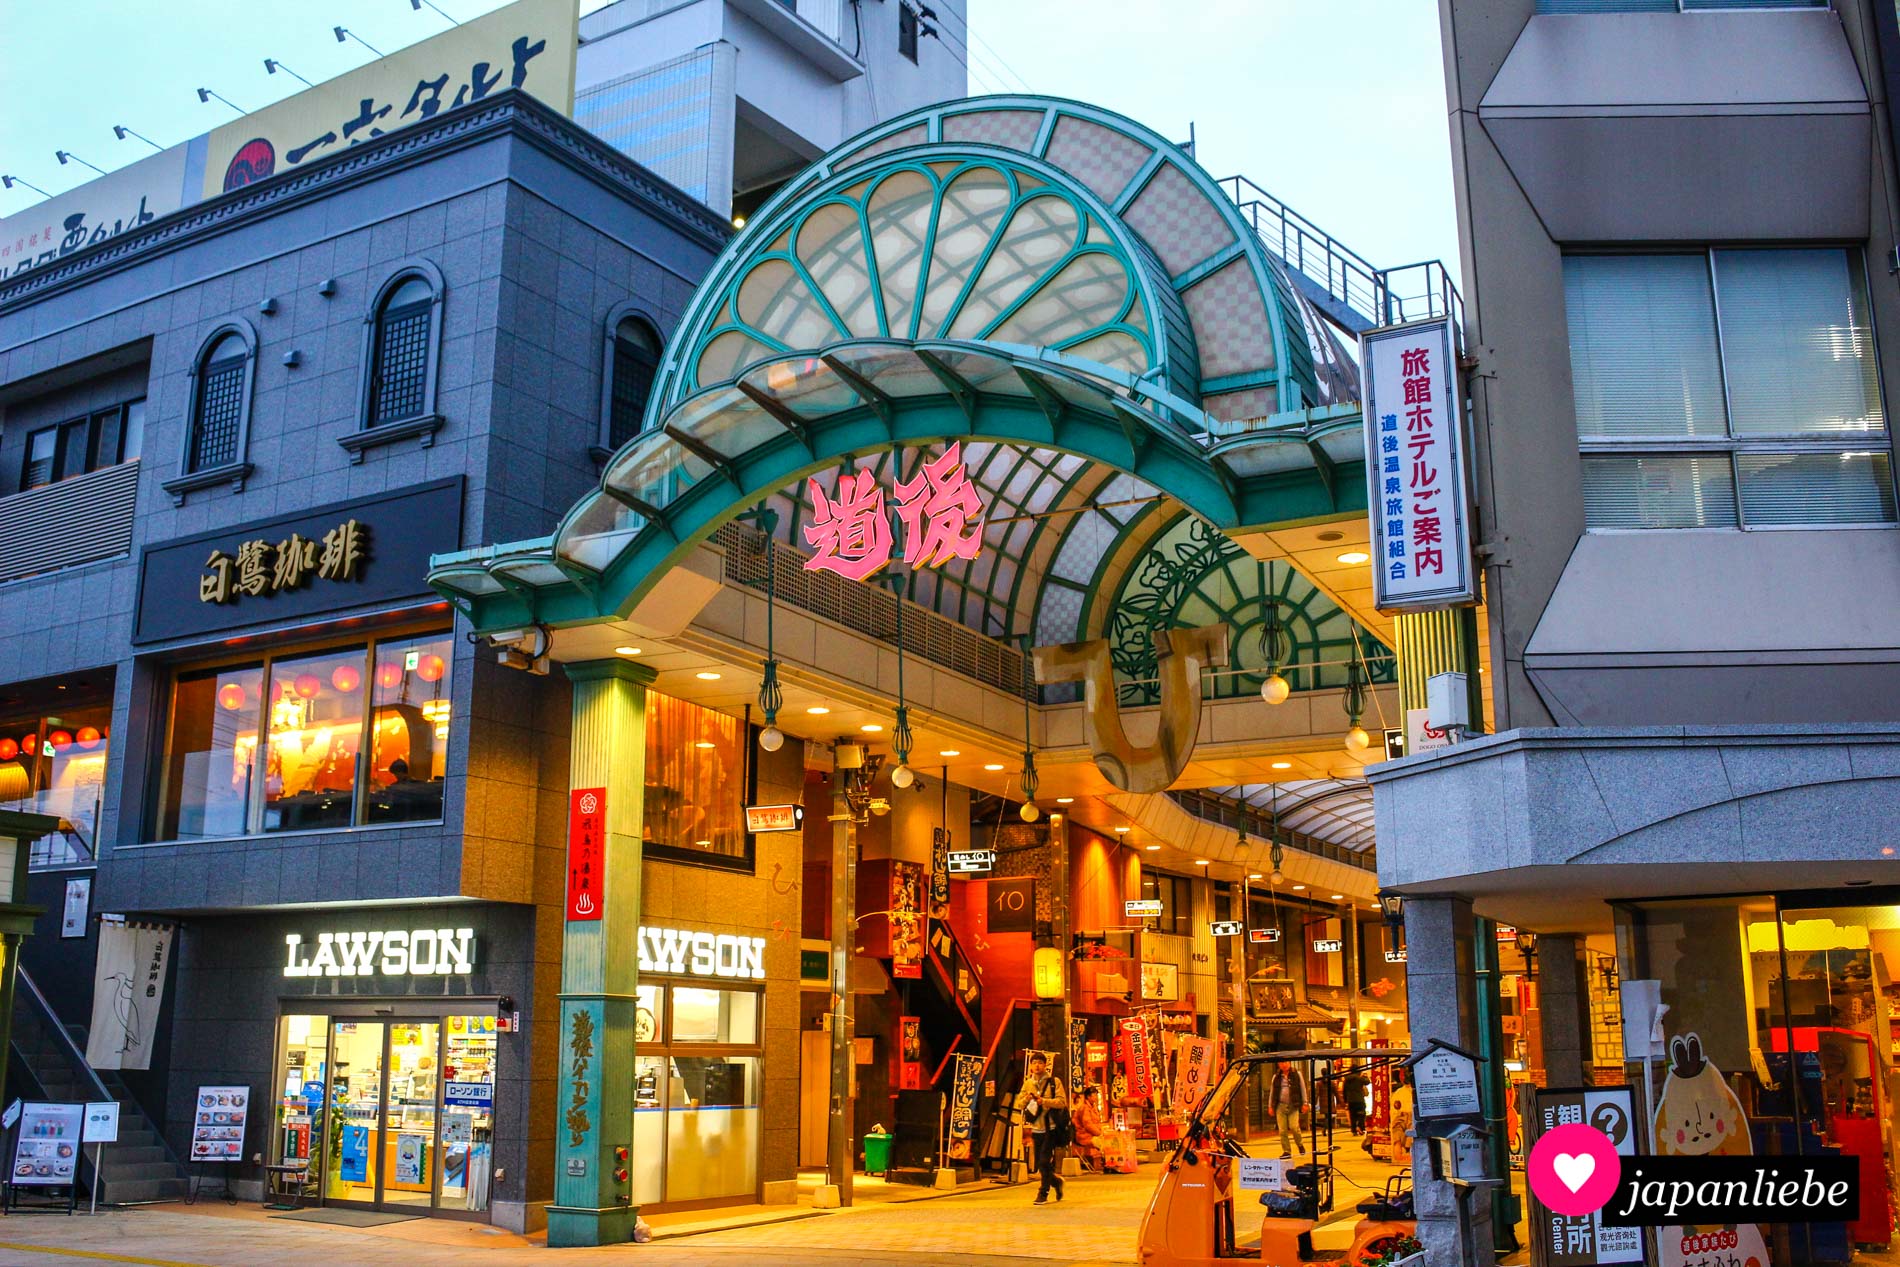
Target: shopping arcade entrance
{"x":1018,"y":272}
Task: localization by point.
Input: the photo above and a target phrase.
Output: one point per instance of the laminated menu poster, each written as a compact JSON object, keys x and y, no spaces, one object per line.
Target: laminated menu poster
{"x":46,"y":1145}
{"x":217,"y":1124}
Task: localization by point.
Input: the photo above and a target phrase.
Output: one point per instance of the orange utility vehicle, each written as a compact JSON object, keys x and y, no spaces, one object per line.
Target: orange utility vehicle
{"x":1193,"y":1220}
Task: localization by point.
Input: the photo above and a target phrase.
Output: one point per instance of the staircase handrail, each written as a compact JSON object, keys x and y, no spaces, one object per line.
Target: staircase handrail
{"x":948,"y":969}
{"x":51,"y":1019}
{"x":1345,"y":274}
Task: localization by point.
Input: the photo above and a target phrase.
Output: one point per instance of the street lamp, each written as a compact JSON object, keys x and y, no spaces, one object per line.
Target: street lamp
{"x":1393,"y":904}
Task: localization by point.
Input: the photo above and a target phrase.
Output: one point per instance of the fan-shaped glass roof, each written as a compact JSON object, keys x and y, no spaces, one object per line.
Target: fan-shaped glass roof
{"x":1335,"y":810}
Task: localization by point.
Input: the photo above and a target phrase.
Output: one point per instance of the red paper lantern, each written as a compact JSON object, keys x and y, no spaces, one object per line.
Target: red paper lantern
{"x":431,"y":668}
{"x":389,"y":675}
{"x":307,"y":685}
{"x":59,"y":739}
{"x":345,"y":678}
{"x":8,"y":749}
{"x":29,"y":744}
{"x":231,"y":697}
{"x":88,"y":737}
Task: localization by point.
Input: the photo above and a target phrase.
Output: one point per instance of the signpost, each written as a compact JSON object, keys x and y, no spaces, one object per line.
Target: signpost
{"x":1565,"y":1241}
{"x":1141,"y":907}
{"x":762,"y":818}
{"x":1263,"y":936}
{"x":972,"y":861}
{"x":1445,"y":1083}
{"x":47,"y":1137}
{"x":101,"y":1128}
{"x":1226,"y":928}
{"x":1327,"y":945}
{"x":1262,"y":1174}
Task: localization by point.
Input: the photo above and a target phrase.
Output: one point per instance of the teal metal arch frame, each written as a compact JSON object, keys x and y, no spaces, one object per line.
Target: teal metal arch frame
{"x":725,"y":449}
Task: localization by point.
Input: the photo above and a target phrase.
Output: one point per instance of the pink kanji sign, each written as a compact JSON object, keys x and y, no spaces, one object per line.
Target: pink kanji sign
{"x":938,"y":507}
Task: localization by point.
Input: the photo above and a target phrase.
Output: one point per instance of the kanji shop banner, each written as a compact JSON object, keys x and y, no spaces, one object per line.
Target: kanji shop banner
{"x":1417,"y":501}
{"x":128,"y":988}
{"x":963,"y":1106}
{"x":1193,"y":1073}
{"x":529,"y":44}
{"x":907,"y":920}
{"x":586,"y":852}
{"x":1131,"y":1042}
{"x":88,"y":214}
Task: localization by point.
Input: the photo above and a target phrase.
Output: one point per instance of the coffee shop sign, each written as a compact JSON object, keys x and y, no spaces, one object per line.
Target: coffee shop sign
{"x":260,"y":568}
{"x":415,"y":952}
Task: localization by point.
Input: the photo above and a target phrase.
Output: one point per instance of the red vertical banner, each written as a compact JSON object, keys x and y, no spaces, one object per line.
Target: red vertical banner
{"x":586,"y":852}
{"x":1135,"y":1059}
{"x":910,"y":1053}
{"x":907,"y":920}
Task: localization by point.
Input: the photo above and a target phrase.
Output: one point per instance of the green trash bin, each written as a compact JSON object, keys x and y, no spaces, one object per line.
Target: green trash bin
{"x":877,"y":1154}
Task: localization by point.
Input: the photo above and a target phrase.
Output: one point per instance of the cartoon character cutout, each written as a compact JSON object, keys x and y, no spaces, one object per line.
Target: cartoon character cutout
{"x":1699,"y":1116}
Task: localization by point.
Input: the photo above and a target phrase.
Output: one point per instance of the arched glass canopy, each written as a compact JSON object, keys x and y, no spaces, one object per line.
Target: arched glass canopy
{"x":1058,"y":289}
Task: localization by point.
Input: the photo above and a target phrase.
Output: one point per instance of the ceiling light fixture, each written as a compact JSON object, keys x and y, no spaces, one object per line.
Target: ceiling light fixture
{"x":707,"y":676}
{"x":870,"y":728}
{"x":818,"y":710}
{"x":771,"y":694}
{"x":626,"y":650}
{"x":1065,"y":800}
{"x":1283,"y":765}
{"x":993,"y":766}
{"x":1200,"y":862}
{"x":949,"y":752}
{"x":1123,"y":830}
{"x":1153,"y":848}
{"x":1352,"y":558}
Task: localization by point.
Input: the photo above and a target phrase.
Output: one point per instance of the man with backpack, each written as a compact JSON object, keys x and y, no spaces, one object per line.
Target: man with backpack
{"x":1046,"y":1109}
{"x":1287,"y":1095}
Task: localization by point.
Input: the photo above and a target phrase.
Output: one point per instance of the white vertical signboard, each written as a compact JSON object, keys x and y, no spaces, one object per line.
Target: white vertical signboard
{"x":1417,"y":501}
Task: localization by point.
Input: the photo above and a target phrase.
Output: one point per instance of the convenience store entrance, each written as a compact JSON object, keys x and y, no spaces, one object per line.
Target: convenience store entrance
{"x":388,"y":1112}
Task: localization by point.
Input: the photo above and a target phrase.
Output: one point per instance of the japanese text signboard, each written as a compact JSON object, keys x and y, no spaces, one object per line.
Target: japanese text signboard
{"x":528,"y":45}
{"x":1446,"y":1083}
{"x":1417,"y":499}
{"x":1577,"y":1241}
{"x":586,"y":852}
{"x":963,"y":1090}
{"x":938,"y":509}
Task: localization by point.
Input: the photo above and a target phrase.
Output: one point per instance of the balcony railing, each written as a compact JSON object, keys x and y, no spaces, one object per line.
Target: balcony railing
{"x":77,"y":520}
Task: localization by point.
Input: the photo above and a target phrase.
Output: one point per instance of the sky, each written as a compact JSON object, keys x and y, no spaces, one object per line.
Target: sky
{"x":1336,"y":107}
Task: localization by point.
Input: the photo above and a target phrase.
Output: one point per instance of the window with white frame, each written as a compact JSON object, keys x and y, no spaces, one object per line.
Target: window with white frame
{"x":1727,"y":389}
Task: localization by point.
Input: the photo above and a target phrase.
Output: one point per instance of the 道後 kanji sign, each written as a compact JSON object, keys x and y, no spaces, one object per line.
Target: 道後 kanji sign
{"x":1415,"y":468}
{"x":850,"y":530}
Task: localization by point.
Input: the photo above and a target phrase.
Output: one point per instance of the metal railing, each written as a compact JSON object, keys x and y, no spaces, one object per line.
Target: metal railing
{"x":1416,"y":292}
{"x":1228,"y":812}
{"x":1341,"y":272}
{"x":73,"y":521}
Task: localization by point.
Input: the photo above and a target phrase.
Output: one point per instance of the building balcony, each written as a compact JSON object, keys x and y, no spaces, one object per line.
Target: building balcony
{"x":61,"y":525}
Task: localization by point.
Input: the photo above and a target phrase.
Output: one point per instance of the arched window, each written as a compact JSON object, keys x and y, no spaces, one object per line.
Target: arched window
{"x":402,"y":336}
{"x":217,"y":414}
{"x":218,"y":424}
{"x":399,"y":377}
{"x":633,"y":361}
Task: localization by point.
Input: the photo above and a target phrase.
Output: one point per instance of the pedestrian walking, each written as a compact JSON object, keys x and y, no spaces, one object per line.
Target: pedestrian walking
{"x":1046,"y":1109}
{"x":1355,"y":1087}
{"x":1287,"y":1094}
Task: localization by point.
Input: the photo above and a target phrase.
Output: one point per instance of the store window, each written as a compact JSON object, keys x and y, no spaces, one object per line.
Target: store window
{"x":698,"y":781}
{"x":697,"y":1118}
{"x":350,"y":735}
{"x":104,"y":437}
{"x":54,"y":763}
{"x":1727,"y":388}
{"x":633,"y":359}
{"x":396,"y":1113}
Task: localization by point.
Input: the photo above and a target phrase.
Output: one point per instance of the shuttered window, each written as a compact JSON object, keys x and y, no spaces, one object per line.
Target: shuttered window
{"x":1727,"y":388}
{"x":399,"y":383}
{"x":218,"y":415}
{"x":636,"y":360}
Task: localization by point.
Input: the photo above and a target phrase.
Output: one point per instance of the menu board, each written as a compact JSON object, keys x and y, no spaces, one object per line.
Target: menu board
{"x":217,"y":1127}
{"x":46,"y":1144}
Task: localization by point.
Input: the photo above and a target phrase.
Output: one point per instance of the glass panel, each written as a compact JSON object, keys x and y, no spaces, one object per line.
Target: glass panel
{"x":210,"y":759}
{"x":807,"y":386}
{"x":1816,"y":488}
{"x":220,"y":410}
{"x":1797,"y":343}
{"x":408,"y":1142}
{"x":1718,"y":1091}
{"x":1643,"y":356}
{"x":303,"y":1045}
{"x":636,"y":361}
{"x":132,"y":441}
{"x":971,"y":210}
{"x":1039,"y":233}
{"x":1090,"y":291}
{"x":727,"y":354}
{"x":657,"y":470}
{"x":316,"y":729}
{"x":712,"y":1128}
{"x":1659,"y":491}
{"x":1114,"y":349}
{"x":69,"y":779}
{"x":652,"y":1090}
{"x":402,"y":361}
{"x":899,"y":216}
{"x":594,"y":537}
{"x":736,"y":428}
{"x":715,"y":1016}
{"x":409,"y":729}
{"x":831,"y":244}
{"x":695,"y":779}
{"x":40,"y":448}
{"x":649,"y":1013}
{"x":353,"y":1153}
{"x":468,"y":1112}
{"x":774,"y":300}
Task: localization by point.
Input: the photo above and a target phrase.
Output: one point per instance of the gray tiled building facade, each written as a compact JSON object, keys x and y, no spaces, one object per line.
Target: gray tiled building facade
{"x":531,"y":240}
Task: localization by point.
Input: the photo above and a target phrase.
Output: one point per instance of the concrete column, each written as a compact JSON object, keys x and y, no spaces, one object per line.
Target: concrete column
{"x":844,"y":940}
{"x":600,"y":963}
{"x":1441,"y":997}
{"x":1563,"y":1009}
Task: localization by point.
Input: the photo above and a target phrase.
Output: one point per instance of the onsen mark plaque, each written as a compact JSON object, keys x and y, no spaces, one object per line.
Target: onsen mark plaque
{"x":586,"y":852}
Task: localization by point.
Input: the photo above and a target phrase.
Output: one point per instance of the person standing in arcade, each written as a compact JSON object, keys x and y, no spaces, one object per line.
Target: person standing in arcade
{"x":1288,"y":1097}
{"x":1045,"y":1096}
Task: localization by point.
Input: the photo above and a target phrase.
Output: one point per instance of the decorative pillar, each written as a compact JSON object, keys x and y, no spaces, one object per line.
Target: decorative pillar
{"x":1562,"y":1009}
{"x":1434,"y":642}
{"x":844,"y":939}
{"x":600,"y":956}
{"x":1441,"y":988}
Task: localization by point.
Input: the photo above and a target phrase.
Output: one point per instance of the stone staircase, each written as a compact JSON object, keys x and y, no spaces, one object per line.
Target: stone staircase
{"x":139,"y":1167}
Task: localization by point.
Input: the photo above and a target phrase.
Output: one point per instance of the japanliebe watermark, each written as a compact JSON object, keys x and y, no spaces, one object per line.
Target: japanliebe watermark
{"x":1574,"y":1171}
